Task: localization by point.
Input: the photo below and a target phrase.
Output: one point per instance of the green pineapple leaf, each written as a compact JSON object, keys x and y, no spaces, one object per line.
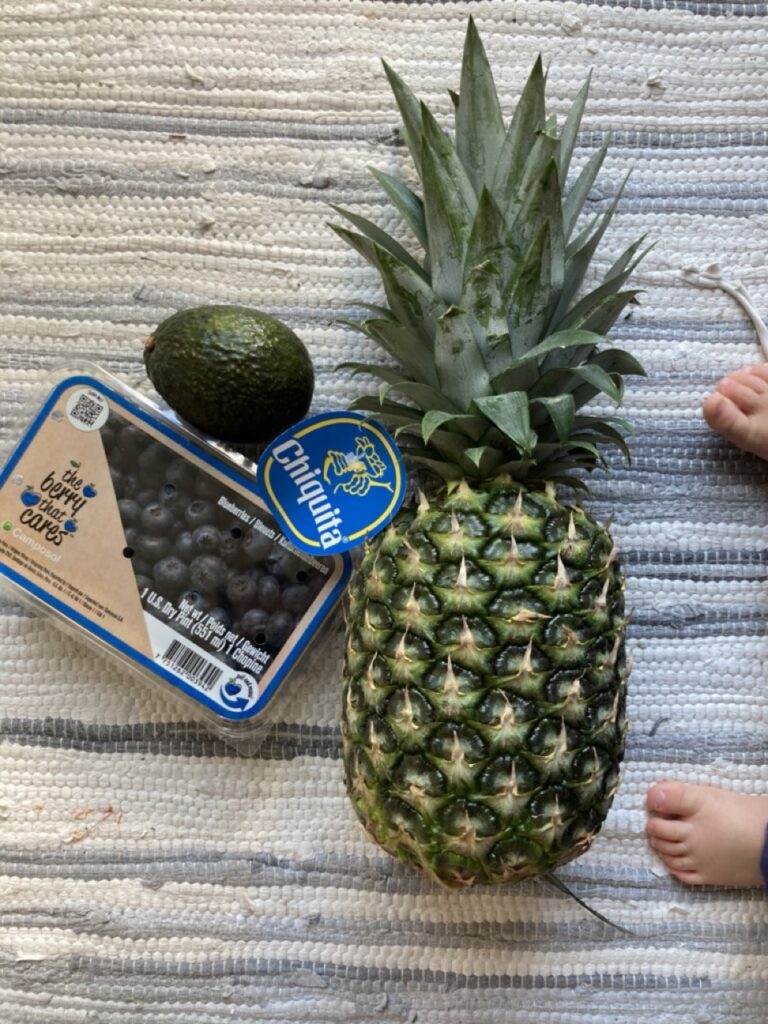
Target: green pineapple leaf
{"x":479,"y":124}
{"x":617,"y":360}
{"x":410,"y":111}
{"x":559,"y":884}
{"x":485,"y":242}
{"x":472,"y":426}
{"x":393,"y":413}
{"x":539,"y":279}
{"x":511,"y":414}
{"x":598,"y":379}
{"x":578,"y":263}
{"x":601,"y":313}
{"x":376,"y":234}
{"x":540,"y":195}
{"x":410,"y":297}
{"x":406,"y":346}
{"x":528,"y":118}
{"x":447,"y":471}
{"x":407,"y":203}
{"x":526,"y":367}
{"x":573,"y":203}
{"x":384,"y":373}
{"x":561,"y":410}
{"x":449,"y":208}
{"x":459,"y":361}
{"x":571,"y":128}
{"x":604,"y":434}
{"x":483,"y":460}
{"x":424,"y":396}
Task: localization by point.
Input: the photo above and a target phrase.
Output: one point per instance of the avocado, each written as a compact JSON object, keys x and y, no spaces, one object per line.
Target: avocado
{"x":235,"y":373}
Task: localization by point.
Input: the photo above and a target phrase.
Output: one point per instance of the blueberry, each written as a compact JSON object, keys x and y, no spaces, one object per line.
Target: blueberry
{"x":268,"y":589}
{"x":154,"y":458}
{"x":108,"y":434}
{"x":184,"y":545}
{"x":199,"y":602}
{"x":130,"y":511}
{"x":257,"y":546}
{"x":222,"y":616}
{"x":231,"y":549}
{"x":131,"y":533}
{"x":146,"y":496}
{"x":226,"y":520}
{"x":279,"y":628}
{"x":253,"y":625}
{"x":119,"y":462}
{"x":170,"y":574}
{"x":126,"y":485}
{"x":117,"y":479}
{"x":206,"y":487}
{"x":132,"y":485}
{"x":297,"y":597}
{"x":180,"y":473}
{"x":172,"y":497}
{"x":157,"y":519}
{"x":131,"y":440}
{"x":199,"y":512}
{"x":283,"y":564}
{"x":207,"y":539}
{"x":143,"y":582}
{"x":141,"y":567}
{"x":152,"y":547}
{"x":242,"y":591}
{"x":207,"y":572}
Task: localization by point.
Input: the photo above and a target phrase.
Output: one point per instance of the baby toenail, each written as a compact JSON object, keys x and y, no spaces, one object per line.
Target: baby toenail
{"x":658,"y":799}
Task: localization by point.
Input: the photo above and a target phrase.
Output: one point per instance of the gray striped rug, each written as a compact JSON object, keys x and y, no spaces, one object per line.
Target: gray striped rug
{"x":161,"y":155}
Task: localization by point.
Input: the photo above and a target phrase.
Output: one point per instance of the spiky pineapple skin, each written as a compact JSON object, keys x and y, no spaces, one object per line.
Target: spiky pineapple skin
{"x":483,"y":716}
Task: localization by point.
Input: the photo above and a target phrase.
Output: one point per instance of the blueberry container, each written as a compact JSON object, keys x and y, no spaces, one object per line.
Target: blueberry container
{"x":151,"y":542}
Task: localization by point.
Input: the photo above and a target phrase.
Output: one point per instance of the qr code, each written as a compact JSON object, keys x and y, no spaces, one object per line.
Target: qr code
{"x":86,"y":410}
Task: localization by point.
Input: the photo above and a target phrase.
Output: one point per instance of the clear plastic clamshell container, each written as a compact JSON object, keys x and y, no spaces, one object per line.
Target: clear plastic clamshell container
{"x":151,"y":542}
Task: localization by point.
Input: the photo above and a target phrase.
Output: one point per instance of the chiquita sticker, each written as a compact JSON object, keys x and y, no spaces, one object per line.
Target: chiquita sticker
{"x":332,"y":480}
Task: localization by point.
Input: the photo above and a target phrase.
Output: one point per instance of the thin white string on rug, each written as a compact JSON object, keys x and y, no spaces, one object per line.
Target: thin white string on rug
{"x":711,"y":277}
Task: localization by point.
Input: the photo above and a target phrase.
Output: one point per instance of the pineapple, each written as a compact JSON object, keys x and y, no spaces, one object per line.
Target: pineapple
{"x":485,"y":671}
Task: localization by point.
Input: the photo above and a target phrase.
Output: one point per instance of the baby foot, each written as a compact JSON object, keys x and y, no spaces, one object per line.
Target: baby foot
{"x":707,"y":836}
{"x":738,"y":409}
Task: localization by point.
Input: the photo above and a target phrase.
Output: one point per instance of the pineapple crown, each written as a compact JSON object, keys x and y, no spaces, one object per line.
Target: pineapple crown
{"x":495,"y":352}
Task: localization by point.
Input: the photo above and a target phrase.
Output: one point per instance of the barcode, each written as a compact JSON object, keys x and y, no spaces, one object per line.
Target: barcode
{"x":86,"y":410}
{"x":191,"y":665}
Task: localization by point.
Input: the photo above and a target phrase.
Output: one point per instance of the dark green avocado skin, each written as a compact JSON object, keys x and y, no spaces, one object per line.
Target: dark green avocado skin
{"x":233,"y":372}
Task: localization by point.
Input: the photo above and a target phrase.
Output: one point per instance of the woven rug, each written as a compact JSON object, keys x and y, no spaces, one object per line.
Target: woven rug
{"x":157,"y":156}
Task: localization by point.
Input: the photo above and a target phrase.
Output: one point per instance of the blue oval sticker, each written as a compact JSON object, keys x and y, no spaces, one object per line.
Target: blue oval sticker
{"x":331,"y":481}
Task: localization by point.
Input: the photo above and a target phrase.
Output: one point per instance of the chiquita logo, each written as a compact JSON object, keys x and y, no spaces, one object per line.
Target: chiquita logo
{"x":331,"y":481}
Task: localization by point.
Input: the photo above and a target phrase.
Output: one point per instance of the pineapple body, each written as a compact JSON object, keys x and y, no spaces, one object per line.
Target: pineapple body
{"x":483,"y":720}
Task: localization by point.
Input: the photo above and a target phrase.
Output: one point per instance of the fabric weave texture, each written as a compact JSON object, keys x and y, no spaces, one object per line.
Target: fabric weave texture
{"x":154,"y":157}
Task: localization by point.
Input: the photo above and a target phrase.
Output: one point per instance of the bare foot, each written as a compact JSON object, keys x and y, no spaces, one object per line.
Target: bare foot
{"x":706,"y":835}
{"x":738,"y":409}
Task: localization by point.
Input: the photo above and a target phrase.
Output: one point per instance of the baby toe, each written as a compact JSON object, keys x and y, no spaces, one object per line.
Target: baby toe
{"x":668,"y":849}
{"x":759,"y":370}
{"x":745,"y":378}
{"x":739,"y":390}
{"x":673,"y":800}
{"x":671,"y":830}
{"x":688,"y":877}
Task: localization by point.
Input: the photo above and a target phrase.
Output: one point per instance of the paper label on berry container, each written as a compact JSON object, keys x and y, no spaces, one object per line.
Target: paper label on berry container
{"x":332,"y":480}
{"x":123,"y":525}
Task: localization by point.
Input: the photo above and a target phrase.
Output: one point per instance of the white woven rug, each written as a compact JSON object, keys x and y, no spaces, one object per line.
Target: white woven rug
{"x":156,"y":156}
